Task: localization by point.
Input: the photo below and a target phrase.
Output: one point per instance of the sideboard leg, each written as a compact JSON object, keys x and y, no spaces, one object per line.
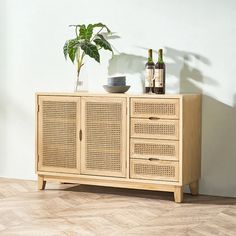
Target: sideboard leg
{"x":41,"y":183}
{"x":194,"y":187}
{"x":178,"y":194}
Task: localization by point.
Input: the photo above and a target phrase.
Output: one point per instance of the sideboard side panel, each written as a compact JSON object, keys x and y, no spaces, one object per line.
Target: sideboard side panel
{"x":191,"y":138}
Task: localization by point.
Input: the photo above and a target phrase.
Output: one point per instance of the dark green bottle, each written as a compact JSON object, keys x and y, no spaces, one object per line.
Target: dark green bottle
{"x":159,"y":75}
{"x":149,"y":73}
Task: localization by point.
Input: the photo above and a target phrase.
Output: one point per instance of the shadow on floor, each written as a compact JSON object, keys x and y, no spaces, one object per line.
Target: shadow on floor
{"x":147,"y":194}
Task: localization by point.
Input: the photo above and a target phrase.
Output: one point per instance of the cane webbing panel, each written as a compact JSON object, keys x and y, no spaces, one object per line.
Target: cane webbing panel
{"x":103,"y":137}
{"x":163,"y":108}
{"x":141,"y":148}
{"x":154,"y":129}
{"x":58,"y":134}
{"x":156,"y":170}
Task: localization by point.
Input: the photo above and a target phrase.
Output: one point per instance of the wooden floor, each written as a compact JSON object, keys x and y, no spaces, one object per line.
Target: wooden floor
{"x":66,"y":209}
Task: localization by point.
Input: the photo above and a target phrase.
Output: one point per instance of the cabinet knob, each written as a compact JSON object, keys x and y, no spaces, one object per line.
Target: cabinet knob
{"x":153,"y":118}
{"x":153,"y":159}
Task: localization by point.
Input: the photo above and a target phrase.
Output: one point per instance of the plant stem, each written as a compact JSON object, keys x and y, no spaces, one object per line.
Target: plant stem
{"x":76,"y":27}
{"x":80,"y":64}
{"x":80,"y":61}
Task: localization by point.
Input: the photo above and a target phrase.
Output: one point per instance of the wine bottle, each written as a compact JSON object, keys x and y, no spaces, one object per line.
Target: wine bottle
{"x":150,"y":68}
{"x":159,"y":75}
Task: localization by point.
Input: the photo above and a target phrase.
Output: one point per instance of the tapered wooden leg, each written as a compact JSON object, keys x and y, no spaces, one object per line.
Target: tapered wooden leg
{"x":178,"y":194}
{"x":194,"y":187}
{"x":41,"y":183}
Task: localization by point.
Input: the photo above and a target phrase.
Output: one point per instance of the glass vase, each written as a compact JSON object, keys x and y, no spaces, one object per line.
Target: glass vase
{"x":81,"y":81}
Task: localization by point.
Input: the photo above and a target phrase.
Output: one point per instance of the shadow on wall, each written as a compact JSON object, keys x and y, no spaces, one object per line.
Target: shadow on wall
{"x":184,"y":66}
{"x":218,"y":119}
{"x":124,"y":63}
{"x":218,"y":148}
{"x":218,"y":124}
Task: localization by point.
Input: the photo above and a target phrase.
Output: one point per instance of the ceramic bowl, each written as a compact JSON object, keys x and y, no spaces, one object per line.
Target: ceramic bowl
{"x":117,"y":81}
{"x":116,"y":89}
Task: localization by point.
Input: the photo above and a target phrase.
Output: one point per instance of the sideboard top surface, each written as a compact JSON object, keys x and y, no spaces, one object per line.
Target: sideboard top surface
{"x":127,"y":95}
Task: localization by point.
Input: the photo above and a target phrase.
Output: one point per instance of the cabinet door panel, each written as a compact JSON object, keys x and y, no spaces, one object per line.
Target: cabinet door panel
{"x":58,"y":128}
{"x":103,"y":150}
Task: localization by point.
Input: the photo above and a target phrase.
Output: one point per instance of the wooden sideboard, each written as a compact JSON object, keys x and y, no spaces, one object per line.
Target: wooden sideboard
{"x":142,"y":141}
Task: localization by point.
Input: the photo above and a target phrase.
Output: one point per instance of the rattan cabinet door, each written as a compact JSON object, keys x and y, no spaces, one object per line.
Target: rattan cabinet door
{"x":58,"y":129}
{"x":103,"y":150}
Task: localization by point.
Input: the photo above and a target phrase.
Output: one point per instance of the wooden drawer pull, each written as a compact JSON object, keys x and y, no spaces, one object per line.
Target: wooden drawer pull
{"x":153,"y":159}
{"x":153,"y":118}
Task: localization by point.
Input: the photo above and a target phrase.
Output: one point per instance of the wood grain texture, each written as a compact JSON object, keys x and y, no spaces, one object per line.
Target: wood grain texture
{"x":71,"y":210}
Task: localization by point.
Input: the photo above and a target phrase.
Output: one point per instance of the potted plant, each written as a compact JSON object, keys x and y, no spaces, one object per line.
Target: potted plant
{"x":86,"y":42}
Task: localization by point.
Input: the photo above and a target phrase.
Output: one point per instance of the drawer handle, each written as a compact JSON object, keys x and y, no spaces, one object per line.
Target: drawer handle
{"x":153,"y":118}
{"x":153,"y":159}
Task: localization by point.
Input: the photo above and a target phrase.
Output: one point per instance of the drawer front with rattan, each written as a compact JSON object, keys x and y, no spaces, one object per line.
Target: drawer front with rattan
{"x":155,"y":108}
{"x":151,"y":148}
{"x":154,"y":170}
{"x":159,"y":129}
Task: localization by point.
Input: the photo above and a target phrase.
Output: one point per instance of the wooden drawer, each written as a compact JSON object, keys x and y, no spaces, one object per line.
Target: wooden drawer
{"x":161,"y":149}
{"x":154,"y":170}
{"x":158,"y":108}
{"x":160,"y":129}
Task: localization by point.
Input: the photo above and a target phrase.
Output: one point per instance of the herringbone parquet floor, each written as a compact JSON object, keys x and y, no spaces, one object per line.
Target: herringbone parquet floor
{"x":71,"y":210}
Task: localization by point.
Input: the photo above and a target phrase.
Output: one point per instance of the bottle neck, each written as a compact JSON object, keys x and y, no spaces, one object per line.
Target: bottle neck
{"x":160,"y":57}
{"x":150,"y":56}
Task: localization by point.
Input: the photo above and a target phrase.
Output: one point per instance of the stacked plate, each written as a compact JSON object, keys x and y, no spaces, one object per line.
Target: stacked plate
{"x":116,"y":84}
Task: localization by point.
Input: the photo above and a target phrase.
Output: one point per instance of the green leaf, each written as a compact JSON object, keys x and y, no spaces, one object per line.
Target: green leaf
{"x":86,"y":33}
{"x":82,"y":31}
{"x":72,"y":52}
{"x":101,"y":25}
{"x":89,"y":31}
{"x":91,"y":50}
{"x":65,"y":49}
{"x":72,"y":46}
{"x":102,"y":42}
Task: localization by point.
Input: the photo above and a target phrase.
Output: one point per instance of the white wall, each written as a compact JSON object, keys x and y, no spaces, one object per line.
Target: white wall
{"x":199,"y":41}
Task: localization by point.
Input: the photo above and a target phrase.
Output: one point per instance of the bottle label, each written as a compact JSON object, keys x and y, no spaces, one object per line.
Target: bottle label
{"x":159,"y":78}
{"x":149,"y":77}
